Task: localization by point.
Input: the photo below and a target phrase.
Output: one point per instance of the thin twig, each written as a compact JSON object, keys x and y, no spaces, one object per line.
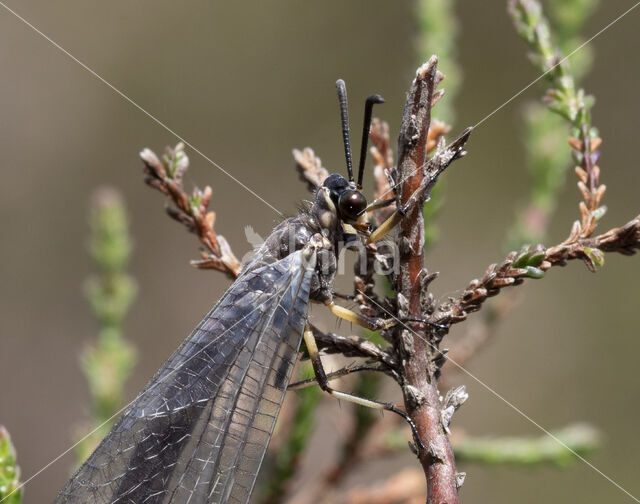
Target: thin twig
{"x":191,"y":211}
{"x":532,"y":264}
{"x":353,"y":346}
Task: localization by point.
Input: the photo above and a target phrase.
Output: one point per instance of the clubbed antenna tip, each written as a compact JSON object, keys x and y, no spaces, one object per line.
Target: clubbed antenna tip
{"x":368,"y":108}
{"x":344,"y":115}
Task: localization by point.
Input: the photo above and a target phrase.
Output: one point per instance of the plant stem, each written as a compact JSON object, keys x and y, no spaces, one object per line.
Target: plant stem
{"x":420,"y":386}
{"x":108,"y":363}
{"x":527,"y":451}
{"x":10,"y":491}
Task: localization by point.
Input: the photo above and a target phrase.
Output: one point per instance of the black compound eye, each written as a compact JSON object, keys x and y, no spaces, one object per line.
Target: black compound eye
{"x":351,"y":204}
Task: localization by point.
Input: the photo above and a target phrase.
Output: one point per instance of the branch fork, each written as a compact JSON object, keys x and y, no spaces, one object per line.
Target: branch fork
{"x":413,"y":356}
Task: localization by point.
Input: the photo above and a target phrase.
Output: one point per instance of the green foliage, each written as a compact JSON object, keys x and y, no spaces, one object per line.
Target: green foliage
{"x":9,"y":471}
{"x":548,"y":164}
{"x":545,"y":133}
{"x":563,"y":98}
{"x":108,"y":363}
{"x":596,"y":256}
{"x":530,"y":256}
{"x":569,"y":18}
{"x":438,"y":31}
{"x":579,"y":438}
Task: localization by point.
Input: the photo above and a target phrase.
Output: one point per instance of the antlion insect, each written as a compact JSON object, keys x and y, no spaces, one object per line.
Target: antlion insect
{"x":198,"y":431}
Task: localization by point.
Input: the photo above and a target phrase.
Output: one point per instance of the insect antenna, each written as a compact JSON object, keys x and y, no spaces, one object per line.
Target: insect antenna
{"x":368,"y":107}
{"x":344,"y":115}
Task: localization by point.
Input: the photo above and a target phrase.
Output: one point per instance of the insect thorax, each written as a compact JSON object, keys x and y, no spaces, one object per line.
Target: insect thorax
{"x":319,"y":225}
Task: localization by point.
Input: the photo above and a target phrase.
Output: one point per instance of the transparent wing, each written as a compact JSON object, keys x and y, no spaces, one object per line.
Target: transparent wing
{"x":198,"y":431}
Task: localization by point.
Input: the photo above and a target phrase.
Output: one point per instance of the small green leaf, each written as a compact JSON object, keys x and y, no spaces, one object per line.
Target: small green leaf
{"x":596,"y":256}
{"x":523,"y":257}
{"x":599,"y":212}
{"x":533,"y":272}
{"x":537,"y":255}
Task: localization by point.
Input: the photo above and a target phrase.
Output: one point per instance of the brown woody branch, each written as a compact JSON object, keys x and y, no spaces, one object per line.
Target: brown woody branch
{"x":191,"y":211}
{"x":419,"y":374}
{"x":385,"y":184}
{"x":623,"y":240}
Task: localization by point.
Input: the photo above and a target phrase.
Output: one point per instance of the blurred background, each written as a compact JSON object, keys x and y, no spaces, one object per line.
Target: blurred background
{"x":245,"y":83}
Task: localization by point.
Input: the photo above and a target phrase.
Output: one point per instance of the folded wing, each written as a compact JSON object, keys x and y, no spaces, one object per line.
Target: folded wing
{"x":198,"y":431}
